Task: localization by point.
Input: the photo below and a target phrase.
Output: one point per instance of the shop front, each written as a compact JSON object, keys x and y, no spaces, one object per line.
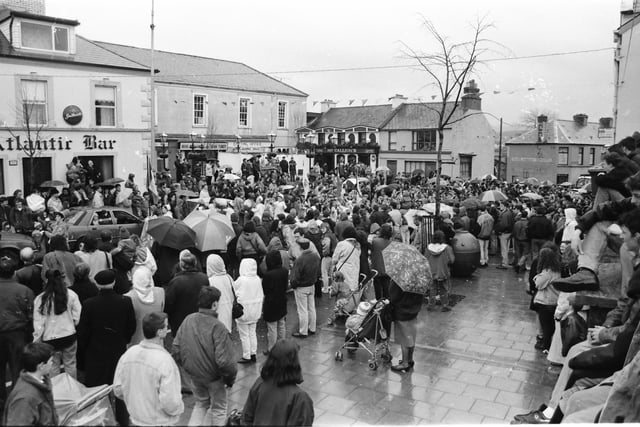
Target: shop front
{"x":331,"y":158}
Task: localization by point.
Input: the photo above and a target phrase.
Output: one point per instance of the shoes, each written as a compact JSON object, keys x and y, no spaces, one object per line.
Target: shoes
{"x":311,"y":332}
{"x":583,"y":280}
{"x":533,"y":417}
{"x":501,"y":267}
{"x":244,"y":361}
{"x":403,"y":366}
{"x":298,"y":335}
{"x":539,"y":346}
{"x":253,"y":357}
{"x":445,"y":309}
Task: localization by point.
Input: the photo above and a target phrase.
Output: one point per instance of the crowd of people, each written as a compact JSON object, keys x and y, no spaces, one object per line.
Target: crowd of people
{"x":135,"y":314}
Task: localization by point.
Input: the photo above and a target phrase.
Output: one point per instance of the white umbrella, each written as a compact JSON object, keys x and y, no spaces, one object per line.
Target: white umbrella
{"x":492,"y":196}
{"x":431,"y":208}
{"x":230,"y":177}
{"x":383,"y":169}
{"x":213,"y":230}
{"x":358,"y":180}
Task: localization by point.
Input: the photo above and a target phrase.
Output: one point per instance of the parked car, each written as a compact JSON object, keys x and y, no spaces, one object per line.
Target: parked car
{"x":93,"y":221}
{"x":12,"y":243}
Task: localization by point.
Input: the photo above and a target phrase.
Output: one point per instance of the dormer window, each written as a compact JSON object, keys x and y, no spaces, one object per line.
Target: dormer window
{"x":43,"y":36}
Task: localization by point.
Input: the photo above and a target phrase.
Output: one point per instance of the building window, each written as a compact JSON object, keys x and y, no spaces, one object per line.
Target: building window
{"x":105,"y":102}
{"x":282,"y":114}
{"x":244,"y":113}
{"x":393,"y":166}
{"x":592,"y":156}
{"x":393,"y":141}
{"x":352,"y":138}
{"x":580,"y":156}
{"x":563,"y":155}
{"x":199,"y":110}
{"x":341,"y":137}
{"x":372,"y":138}
{"x":424,"y":140}
{"x":362,"y":137}
{"x":321,"y":138}
{"x":34,"y":102}
{"x":465,"y":167}
{"x":426,"y":167}
{"x":44,"y":37}
{"x":563,"y":177}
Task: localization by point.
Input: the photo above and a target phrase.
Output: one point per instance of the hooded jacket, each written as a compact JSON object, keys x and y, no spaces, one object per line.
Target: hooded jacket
{"x":250,"y":244}
{"x":570,"y":223}
{"x":440,"y":256}
{"x":248,"y":289}
{"x":219,"y":279}
{"x":146,"y":298}
{"x":274,"y":285}
{"x":30,"y":403}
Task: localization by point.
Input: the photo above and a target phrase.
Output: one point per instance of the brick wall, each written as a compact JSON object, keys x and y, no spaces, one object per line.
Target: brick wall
{"x":31,"y":6}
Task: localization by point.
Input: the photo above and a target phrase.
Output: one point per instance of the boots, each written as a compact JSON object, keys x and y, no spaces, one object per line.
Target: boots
{"x":406,"y":364}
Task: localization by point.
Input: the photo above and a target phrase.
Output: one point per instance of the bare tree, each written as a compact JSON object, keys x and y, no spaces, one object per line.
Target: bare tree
{"x":447,"y":70}
{"x":529,"y":118}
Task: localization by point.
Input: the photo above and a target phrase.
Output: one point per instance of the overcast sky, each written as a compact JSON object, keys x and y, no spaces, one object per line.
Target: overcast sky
{"x":282,"y":36}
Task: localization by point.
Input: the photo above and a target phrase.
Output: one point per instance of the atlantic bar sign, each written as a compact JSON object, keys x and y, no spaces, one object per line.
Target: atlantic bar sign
{"x":90,"y":142}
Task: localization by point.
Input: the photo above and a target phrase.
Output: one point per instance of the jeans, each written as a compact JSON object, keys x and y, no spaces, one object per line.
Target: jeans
{"x":306,"y":305}
{"x":11,"y":345}
{"x":484,"y":251}
{"x":210,"y":407}
{"x":522,"y":250}
{"x":583,"y":405}
{"x":565,"y":373}
{"x":595,"y":242}
{"x":547,"y":323}
{"x":504,"y":238}
{"x":275,"y":331}
{"x":442,"y":288}
{"x":65,"y":358}
{"x":247,"y":332}
{"x":325,"y":269}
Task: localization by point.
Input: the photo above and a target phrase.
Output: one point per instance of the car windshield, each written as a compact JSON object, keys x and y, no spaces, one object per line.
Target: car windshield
{"x":75,"y":219}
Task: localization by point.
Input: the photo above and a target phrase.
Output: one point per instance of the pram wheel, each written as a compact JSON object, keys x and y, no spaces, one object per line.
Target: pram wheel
{"x":386,"y":357}
{"x":373,"y":365}
{"x":339,"y":356}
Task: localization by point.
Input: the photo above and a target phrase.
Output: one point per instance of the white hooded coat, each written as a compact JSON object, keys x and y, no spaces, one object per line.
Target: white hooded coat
{"x":248,"y":289}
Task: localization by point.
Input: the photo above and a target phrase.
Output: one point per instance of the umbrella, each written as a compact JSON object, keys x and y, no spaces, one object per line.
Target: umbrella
{"x":457,"y":180}
{"x":230,"y":177}
{"x":407,"y":267}
{"x":111,"y":181}
{"x":287,"y":187}
{"x":417,"y":172}
{"x":52,"y":183}
{"x":431,"y":208}
{"x":532,"y":196}
{"x":532,"y":181}
{"x":213,"y":230}
{"x":471,"y":203}
{"x":546,"y":183}
{"x":475,"y":181}
{"x":487,"y":176}
{"x":187,"y":193}
{"x":412,"y":213}
{"x":172,"y":233}
{"x":492,"y":196}
{"x":383,"y":169}
{"x":359,"y":180}
{"x":566,"y":184}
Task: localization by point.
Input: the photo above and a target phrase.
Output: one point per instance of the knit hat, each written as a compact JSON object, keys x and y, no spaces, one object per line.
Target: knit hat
{"x":363,"y":308}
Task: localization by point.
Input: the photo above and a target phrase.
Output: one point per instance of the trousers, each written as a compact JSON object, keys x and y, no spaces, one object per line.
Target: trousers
{"x":276,"y":331}
{"x":504,"y":238}
{"x":306,"y":305}
{"x":248,"y":339}
{"x":210,"y":406}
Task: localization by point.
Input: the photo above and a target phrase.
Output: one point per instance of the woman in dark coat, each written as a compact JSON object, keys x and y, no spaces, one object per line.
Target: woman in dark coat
{"x":405,"y":307}
{"x":274,"y":306}
{"x":381,"y":281}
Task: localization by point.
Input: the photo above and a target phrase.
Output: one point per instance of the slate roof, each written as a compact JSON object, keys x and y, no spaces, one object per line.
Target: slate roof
{"x":347,"y":117}
{"x":186,"y":69}
{"x":565,"y":132}
{"x":418,"y":116}
{"x":87,"y":53}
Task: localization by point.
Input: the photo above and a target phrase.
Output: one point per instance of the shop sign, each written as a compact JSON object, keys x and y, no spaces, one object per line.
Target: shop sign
{"x":203,"y":146}
{"x":72,"y":114}
{"x":90,"y":142}
{"x":346,"y":150}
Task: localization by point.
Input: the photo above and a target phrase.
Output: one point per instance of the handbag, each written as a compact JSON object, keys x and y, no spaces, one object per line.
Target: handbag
{"x":573,"y":329}
{"x":237,"y":310}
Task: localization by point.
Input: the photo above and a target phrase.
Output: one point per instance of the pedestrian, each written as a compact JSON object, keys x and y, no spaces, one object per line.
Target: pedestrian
{"x":382,"y":281}
{"x":485,"y":221}
{"x":546,"y":297}
{"x":441,"y":257}
{"x":31,"y":400}
{"x":504,"y":228}
{"x":56,"y":314}
{"x":146,"y":299}
{"x":304,"y":274}
{"x":521,"y":243}
{"x":107,"y":323}
{"x":31,"y":274}
{"x":147,"y":378}
{"x":83,"y":286}
{"x":182,"y":291}
{"x":250,"y":244}
{"x":539,"y":230}
{"x":219,"y":279}
{"x":60,"y":258}
{"x":346,"y":258}
{"x":275,"y":399}
{"x":96,"y":259}
{"x":274,"y":310}
{"x":204,"y":349}
{"x":248,"y":290}
{"x":16,"y":312}
{"x":405,"y":307}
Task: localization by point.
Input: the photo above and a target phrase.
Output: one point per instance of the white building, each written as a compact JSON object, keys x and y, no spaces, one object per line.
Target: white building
{"x":627,"y":73}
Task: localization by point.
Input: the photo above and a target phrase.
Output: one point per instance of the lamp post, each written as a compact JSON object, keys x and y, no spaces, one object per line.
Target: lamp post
{"x":238,"y":139}
{"x":272,"y":138}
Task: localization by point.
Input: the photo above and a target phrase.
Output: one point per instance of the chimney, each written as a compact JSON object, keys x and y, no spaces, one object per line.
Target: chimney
{"x":581,"y":119}
{"x":606,"y":122}
{"x":326,"y":105}
{"x":471,"y":99}
{"x":397,"y":100}
{"x":37,"y":7}
{"x":542,"y":124}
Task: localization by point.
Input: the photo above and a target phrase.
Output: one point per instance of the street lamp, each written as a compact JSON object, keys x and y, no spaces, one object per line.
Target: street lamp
{"x":272,"y":138}
{"x":192,"y":137}
{"x":238,"y":138}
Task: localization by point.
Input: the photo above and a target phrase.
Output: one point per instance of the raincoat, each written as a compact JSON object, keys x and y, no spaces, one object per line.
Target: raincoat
{"x":248,"y":289}
{"x":346,"y":259}
{"x":218,"y":278}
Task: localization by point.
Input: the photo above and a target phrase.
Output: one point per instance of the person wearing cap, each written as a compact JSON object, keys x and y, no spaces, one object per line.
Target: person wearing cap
{"x":204,"y":349}
{"x":304,"y":274}
{"x":106,"y":325}
{"x":147,"y":378}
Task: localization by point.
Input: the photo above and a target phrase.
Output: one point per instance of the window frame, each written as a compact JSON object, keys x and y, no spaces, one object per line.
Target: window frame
{"x":592,"y":156}
{"x":248,"y":112}
{"x":581,"y":156}
{"x":118,"y":102}
{"x":563,"y":151}
{"x":284,"y":124}
{"x":422,"y":145}
{"x":463,"y":160}
{"x":205,"y":112}
{"x":52,"y":28}
{"x":21,"y":99}
{"x":393,"y":140}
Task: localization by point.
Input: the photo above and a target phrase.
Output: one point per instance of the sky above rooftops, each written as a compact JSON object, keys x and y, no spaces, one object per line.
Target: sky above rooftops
{"x":295,"y":41}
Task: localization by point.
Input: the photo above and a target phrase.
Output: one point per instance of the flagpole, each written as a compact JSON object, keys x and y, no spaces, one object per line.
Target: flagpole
{"x":152,"y":148}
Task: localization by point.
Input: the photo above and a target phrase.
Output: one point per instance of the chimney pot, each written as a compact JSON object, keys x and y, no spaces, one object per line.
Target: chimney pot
{"x":326,"y":105}
{"x":542,"y":118}
{"x":581,"y":119}
{"x":397,"y":100}
{"x":606,"y":122}
{"x":471,"y":99}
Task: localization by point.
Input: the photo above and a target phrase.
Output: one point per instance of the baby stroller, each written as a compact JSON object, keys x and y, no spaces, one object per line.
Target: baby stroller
{"x":371,"y":335}
{"x":78,"y":405}
{"x":347,"y":300}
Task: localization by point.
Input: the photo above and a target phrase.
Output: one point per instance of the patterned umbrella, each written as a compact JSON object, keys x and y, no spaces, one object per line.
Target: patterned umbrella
{"x":213,"y":230}
{"x":492,"y":196}
{"x":407,"y":267}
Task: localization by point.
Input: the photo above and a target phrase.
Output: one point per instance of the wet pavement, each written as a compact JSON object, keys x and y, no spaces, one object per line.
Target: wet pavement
{"x":473,"y":365}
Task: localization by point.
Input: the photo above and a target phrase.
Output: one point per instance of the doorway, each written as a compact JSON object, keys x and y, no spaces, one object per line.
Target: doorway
{"x":41,"y":167}
{"x":102,"y":164}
